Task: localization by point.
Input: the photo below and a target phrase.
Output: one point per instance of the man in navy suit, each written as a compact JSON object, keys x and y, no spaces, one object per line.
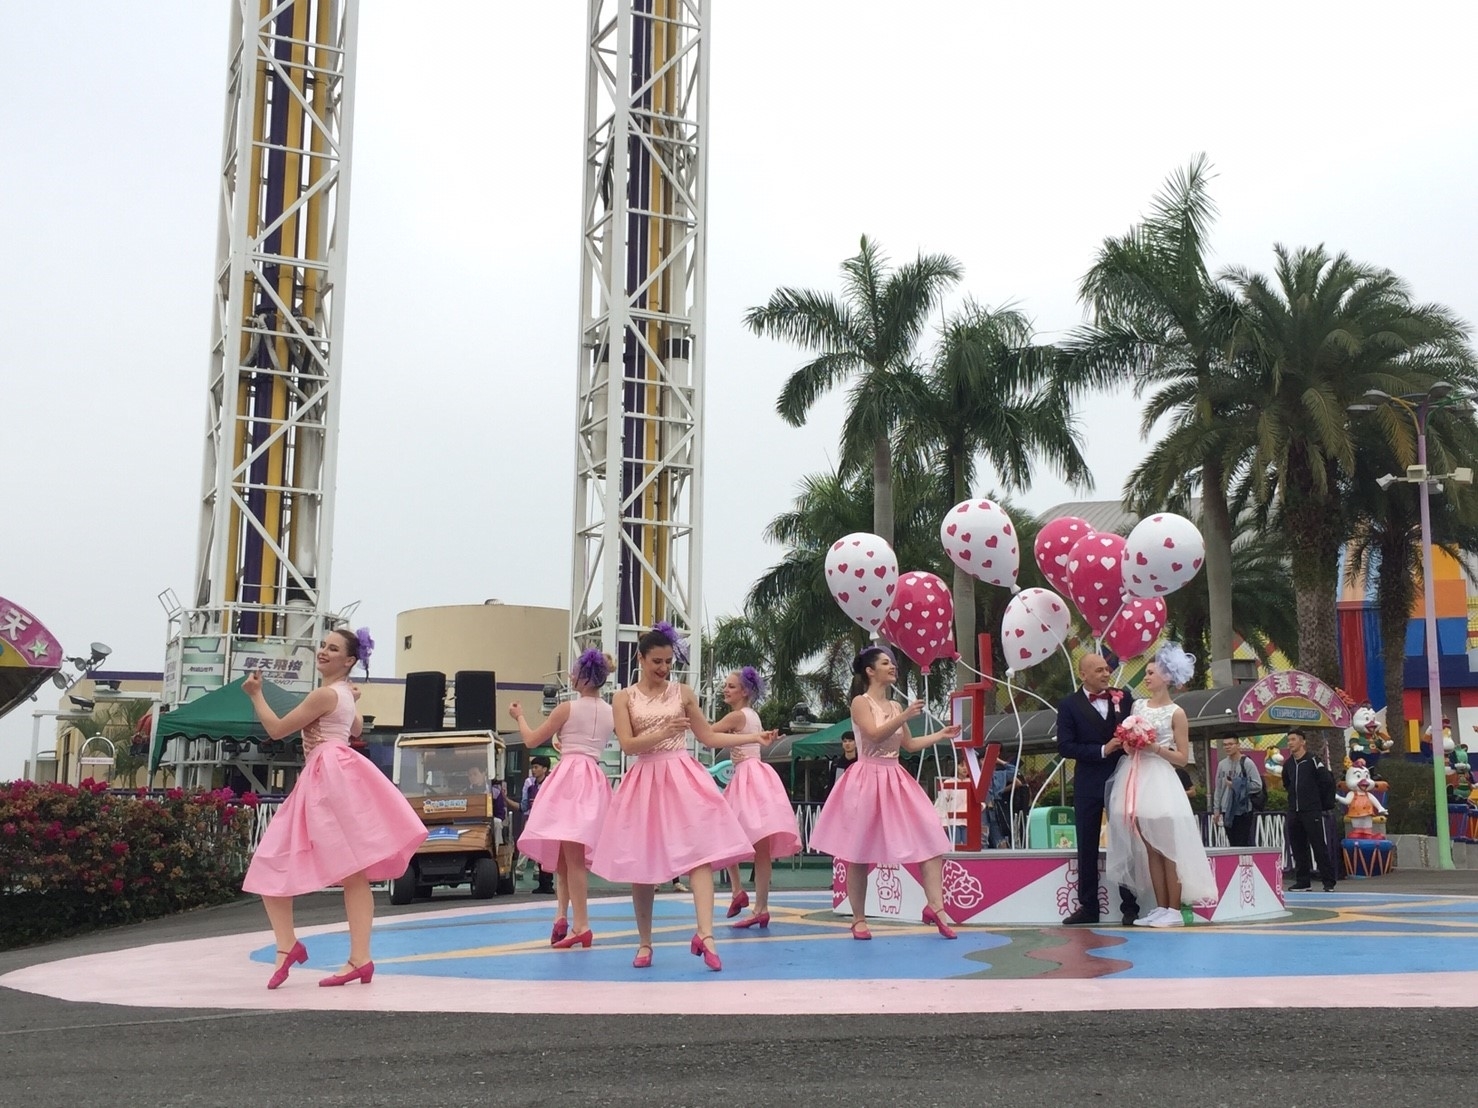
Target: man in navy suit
{"x":1085,"y":733}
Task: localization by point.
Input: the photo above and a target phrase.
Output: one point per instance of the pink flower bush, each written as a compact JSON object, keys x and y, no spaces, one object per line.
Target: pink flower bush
{"x":72,"y":858}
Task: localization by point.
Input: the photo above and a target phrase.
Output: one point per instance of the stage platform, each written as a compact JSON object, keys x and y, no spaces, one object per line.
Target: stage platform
{"x":1023,"y":887}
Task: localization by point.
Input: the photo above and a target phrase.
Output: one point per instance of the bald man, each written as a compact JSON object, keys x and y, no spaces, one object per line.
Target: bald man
{"x":1085,"y":733}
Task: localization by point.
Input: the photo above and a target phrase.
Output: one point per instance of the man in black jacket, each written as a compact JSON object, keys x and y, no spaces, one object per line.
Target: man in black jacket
{"x":1310,"y":788}
{"x":1085,"y":733}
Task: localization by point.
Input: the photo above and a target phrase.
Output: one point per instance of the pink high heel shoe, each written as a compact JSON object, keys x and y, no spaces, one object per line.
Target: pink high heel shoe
{"x":699,"y":945}
{"x":584,"y":938}
{"x":642,"y":961}
{"x":860,"y":932}
{"x":561,"y":929}
{"x":738,"y":903}
{"x":931,"y":916}
{"x":759,"y":919}
{"x":296,"y":956}
{"x":357,"y":973}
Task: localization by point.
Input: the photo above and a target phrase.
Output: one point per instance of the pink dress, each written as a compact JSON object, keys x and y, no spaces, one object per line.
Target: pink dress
{"x":342,"y":817}
{"x":572,"y":803}
{"x":758,"y":798}
{"x":877,"y":814}
{"x":667,"y":817}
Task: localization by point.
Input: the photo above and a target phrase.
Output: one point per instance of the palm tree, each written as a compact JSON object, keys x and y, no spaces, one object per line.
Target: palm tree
{"x":990,"y":392}
{"x":869,"y":334}
{"x":808,"y":626}
{"x":1386,"y":535}
{"x":1163,"y":323}
{"x":1320,"y":333}
{"x":1262,"y":599}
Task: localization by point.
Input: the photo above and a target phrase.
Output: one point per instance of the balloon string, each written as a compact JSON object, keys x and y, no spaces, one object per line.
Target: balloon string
{"x":1005,"y":684}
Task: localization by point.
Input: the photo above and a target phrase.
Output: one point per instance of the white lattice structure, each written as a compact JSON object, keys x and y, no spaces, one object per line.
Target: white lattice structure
{"x":638,"y":463}
{"x":271,"y":430}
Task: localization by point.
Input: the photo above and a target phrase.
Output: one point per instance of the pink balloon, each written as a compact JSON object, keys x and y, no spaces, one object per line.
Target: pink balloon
{"x":1095,"y":568}
{"x":1137,"y":626}
{"x":1055,"y":542}
{"x":921,"y":622}
{"x":978,"y":537}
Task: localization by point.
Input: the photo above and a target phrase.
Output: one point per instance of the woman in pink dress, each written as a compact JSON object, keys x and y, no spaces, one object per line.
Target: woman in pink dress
{"x":877,"y":814}
{"x":344,"y":823}
{"x":667,"y":817}
{"x":756,"y":795}
{"x":565,"y":823}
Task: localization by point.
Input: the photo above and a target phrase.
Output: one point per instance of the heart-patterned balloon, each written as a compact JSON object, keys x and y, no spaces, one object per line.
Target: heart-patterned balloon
{"x":921,"y":621}
{"x":1163,"y":552}
{"x":1095,"y":569}
{"x":861,"y":574}
{"x":1054,"y":542}
{"x":979,"y":538}
{"x":1036,"y":623}
{"x":1137,"y":627}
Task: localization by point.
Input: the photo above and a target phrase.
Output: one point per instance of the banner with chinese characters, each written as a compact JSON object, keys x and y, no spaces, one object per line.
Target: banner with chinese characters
{"x":1291,"y":697}
{"x":289,"y":665}
{"x":29,"y":655}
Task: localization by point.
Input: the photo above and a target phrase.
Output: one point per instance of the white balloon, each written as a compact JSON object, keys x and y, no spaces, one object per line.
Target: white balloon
{"x":1035,"y":625}
{"x":1162,"y":553}
{"x":862,"y":574}
{"x":978,"y":537}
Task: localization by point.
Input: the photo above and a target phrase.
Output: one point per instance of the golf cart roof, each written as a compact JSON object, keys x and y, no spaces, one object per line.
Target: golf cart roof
{"x":446,"y":738}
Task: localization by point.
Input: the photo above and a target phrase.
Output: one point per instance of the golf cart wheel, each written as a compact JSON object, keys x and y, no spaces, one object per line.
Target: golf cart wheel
{"x":484,"y":879}
{"x":403,"y":888}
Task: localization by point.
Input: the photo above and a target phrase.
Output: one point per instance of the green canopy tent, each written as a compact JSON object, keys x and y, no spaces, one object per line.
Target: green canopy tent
{"x":225,"y":713}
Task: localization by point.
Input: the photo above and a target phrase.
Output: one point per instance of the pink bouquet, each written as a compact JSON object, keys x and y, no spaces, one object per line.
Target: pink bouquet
{"x":1135,"y":733}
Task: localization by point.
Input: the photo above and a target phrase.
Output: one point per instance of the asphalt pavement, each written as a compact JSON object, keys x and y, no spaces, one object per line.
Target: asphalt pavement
{"x":70,"y":1054}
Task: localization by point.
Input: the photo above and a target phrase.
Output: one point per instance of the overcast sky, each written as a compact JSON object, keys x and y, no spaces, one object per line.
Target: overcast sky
{"x":1014,"y":137}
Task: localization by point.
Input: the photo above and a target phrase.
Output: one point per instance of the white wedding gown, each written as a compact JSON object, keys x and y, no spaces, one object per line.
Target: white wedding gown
{"x":1161,"y":813}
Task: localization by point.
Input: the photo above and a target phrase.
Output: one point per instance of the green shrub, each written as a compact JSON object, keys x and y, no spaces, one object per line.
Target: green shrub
{"x":76,"y":858}
{"x":1409,"y":798}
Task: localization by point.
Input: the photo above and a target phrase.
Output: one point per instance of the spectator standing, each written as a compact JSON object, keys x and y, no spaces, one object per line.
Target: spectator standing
{"x":1234,"y":804}
{"x":538,"y":770}
{"x":1310,"y":788}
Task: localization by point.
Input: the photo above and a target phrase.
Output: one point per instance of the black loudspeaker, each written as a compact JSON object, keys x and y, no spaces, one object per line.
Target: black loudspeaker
{"x":477,"y":700}
{"x":425,"y":701}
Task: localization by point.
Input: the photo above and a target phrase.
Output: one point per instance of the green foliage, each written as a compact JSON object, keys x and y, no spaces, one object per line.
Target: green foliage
{"x":72,"y":859}
{"x":1409,"y":799}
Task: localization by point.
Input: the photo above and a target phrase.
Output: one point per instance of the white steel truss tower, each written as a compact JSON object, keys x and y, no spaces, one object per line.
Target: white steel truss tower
{"x":639,"y":396}
{"x":271,"y":430}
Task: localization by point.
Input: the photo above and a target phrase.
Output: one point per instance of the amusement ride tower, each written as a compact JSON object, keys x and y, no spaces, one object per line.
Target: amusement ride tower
{"x":639,"y":416}
{"x":266,"y":507}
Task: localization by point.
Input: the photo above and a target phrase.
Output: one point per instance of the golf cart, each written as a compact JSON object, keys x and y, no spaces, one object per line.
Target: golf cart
{"x":437,"y":771}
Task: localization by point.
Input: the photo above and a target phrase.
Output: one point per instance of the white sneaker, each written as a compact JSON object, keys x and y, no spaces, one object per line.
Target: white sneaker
{"x":1168,"y":917}
{"x":1147,"y":919}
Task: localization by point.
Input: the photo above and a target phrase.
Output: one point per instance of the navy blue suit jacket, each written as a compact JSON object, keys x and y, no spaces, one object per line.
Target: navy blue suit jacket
{"x":1081,"y":736}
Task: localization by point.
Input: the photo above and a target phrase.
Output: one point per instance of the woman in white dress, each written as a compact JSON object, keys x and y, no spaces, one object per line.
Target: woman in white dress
{"x":1154,"y":842}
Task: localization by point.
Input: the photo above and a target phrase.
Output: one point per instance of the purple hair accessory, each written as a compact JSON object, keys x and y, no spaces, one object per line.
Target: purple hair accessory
{"x":366,"y":647}
{"x":591,"y":668}
{"x":679,"y":642}
{"x":753,"y":683}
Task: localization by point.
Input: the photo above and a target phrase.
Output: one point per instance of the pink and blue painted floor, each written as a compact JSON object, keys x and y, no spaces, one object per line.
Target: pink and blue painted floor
{"x":1395,"y":950}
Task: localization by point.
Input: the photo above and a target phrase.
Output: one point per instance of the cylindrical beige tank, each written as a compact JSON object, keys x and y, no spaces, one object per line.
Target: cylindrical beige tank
{"x":526,"y":647}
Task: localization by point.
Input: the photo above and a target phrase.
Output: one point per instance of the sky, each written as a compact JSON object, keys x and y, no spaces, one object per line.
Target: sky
{"x":1014,"y":137}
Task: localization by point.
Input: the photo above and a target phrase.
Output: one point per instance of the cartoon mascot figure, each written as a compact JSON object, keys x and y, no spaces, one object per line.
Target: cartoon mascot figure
{"x":1362,"y":809}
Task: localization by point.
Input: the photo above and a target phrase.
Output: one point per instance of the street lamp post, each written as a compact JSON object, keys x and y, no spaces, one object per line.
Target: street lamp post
{"x":1419,"y":408}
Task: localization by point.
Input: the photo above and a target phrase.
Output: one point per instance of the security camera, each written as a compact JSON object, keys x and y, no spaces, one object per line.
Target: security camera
{"x":1387,"y":481}
{"x":82,"y":702}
